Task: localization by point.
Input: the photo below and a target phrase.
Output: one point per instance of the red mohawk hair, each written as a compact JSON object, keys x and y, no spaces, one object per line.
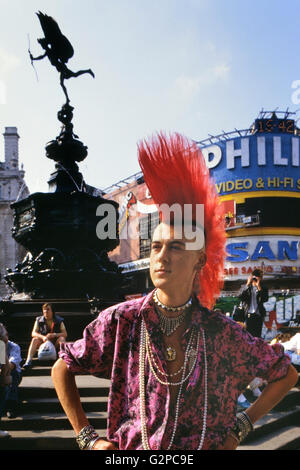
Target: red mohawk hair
{"x":175,"y":172}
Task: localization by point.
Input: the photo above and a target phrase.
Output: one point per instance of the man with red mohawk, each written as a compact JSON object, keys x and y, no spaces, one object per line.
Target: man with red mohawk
{"x":176,"y":367}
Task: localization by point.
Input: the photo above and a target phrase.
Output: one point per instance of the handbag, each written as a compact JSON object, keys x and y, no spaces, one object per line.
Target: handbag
{"x":238,"y":313}
{"x":47,"y":352}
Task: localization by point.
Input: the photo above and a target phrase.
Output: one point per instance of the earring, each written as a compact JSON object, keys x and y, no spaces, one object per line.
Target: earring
{"x":196,"y":284}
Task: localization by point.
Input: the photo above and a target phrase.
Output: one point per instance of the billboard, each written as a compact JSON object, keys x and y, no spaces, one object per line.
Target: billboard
{"x":277,"y":255}
{"x":264,"y":159}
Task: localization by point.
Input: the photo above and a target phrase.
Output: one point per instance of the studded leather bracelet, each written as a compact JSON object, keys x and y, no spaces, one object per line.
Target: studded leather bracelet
{"x":87,"y":438}
{"x":242,"y":426}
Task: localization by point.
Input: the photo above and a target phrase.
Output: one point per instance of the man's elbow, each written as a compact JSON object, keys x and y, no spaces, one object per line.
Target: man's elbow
{"x":59,"y":369}
{"x":292,"y":376}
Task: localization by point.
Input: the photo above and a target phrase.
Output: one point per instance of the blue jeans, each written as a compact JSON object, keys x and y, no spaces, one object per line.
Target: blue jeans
{"x":10,"y":393}
{"x":3,"y":394}
{"x":13,"y":392}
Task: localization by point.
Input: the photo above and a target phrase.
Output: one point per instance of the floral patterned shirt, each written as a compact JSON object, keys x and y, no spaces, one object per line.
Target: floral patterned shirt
{"x":110,"y":349}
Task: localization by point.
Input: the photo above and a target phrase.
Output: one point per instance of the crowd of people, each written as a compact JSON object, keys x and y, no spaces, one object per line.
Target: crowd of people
{"x":48,"y":333}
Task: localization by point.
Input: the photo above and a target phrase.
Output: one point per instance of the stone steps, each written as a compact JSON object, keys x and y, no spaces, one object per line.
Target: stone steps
{"x":280,"y":428}
{"x":52,"y":405}
{"x":43,"y":425}
{"x":287,"y":439}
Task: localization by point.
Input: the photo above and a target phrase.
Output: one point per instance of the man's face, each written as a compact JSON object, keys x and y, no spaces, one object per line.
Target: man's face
{"x":256,"y":277}
{"x":47,"y":312}
{"x":172,"y":265}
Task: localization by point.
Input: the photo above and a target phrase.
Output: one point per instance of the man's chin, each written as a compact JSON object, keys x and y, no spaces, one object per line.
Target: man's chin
{"x":161,"y":284}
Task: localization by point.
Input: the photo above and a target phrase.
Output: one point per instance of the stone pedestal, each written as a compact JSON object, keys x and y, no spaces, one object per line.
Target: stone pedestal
{"x":65,"y":257}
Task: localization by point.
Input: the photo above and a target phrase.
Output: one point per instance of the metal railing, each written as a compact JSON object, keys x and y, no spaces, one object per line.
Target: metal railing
{"x":242,"y":221}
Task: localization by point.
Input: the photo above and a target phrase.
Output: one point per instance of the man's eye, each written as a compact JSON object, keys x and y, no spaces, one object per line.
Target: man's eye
{"x":155,"y":246}
{"x":177,"y":247}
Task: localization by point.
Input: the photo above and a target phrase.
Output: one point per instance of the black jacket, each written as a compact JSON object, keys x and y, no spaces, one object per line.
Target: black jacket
{"x":42,"y":324}
{"x":261,"y":297}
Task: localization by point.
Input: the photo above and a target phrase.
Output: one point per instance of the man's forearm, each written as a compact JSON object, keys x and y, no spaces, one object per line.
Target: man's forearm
{"x":68,"y":395}
{"x":271,"y":395}
{"x":38,"y":335}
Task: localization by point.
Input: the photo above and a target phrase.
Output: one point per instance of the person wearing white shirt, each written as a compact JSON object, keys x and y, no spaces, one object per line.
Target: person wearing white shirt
{"x":14,"y":359}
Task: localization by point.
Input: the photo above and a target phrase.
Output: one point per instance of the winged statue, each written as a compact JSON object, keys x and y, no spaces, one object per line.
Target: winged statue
{"x":58,"y":49}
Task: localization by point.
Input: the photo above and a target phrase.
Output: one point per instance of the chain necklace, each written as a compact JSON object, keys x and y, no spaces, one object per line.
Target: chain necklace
{"x":143,"y":415}
{"x":170,"y":324}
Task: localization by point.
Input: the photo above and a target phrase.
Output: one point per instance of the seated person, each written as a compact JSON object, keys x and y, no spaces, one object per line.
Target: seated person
{"x":291,"y":344}
{"x":47,"y":327}
{"x":5,"y":378}
{"x":13,"y":352}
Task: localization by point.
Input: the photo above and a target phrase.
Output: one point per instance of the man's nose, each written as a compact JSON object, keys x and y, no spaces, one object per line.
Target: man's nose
{"x":163,"y":253}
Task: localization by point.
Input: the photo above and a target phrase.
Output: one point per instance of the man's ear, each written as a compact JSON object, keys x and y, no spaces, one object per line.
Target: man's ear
{"x":201,"y":260}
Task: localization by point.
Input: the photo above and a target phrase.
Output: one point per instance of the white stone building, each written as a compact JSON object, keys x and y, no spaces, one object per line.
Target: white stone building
{"x":12,"y":188}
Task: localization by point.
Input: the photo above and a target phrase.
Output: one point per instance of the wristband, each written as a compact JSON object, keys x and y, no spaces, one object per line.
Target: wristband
{"x":242,"y":426}
{"x":86,"y":436}
{"x":91,"y":443}
{"x":233,"y":434}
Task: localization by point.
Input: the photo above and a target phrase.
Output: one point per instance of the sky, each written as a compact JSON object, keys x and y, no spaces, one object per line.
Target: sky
{"x":197,"y":67}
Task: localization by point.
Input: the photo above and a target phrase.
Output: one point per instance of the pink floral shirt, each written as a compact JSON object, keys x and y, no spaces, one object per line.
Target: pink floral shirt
{"x":110,"y":349}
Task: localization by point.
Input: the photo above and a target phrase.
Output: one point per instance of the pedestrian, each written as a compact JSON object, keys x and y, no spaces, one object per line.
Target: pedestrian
{"x":253,"y":295}
{"x":176,"y":366}
{"x":47,"y":327}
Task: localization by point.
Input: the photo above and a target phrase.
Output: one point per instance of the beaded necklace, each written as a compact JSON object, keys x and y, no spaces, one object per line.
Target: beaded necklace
{"x":154,"y":365}
{"x":143,"y":415}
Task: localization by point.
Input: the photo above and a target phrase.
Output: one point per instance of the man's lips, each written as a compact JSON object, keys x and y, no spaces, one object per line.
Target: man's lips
{"x":161,"y":271}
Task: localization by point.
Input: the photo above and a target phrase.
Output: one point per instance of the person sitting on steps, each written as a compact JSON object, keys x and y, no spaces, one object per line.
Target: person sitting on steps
{"x":47,"y":327}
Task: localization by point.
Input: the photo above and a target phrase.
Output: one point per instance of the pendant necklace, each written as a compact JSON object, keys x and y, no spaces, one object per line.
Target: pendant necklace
{"x":144,"y":339}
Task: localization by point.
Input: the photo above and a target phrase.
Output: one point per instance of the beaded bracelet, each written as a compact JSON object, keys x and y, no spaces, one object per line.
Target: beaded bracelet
{"x":87,"y":437}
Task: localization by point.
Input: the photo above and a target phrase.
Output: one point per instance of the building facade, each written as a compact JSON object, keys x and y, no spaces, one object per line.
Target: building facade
{"x":12,"y":188}
{"x":257,"y":176}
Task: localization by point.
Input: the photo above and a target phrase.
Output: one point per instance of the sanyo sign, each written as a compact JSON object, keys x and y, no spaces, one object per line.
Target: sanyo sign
{"x":269,"y":248}
{"x":257,"y":162}
{"x":278,"y":255}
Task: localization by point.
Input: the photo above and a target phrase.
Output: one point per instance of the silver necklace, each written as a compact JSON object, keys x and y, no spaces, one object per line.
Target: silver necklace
{"x":171,"y":309}
{"x":153,"y":364}
{"x":170,"y":324}
{"x":143,"y":415}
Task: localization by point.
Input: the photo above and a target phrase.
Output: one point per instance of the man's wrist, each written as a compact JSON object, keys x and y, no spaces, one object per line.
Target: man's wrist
{"x":242,"y":426}
{"x":91,"y":444}
{"x":87,"y":437}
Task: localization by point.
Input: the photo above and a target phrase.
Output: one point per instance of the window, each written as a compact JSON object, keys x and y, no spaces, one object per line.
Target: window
{"x":275,"y":211}
{"x":147,"y":226}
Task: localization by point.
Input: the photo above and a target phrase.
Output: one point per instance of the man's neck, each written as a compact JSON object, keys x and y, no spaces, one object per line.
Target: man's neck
{"x":174,"y":300}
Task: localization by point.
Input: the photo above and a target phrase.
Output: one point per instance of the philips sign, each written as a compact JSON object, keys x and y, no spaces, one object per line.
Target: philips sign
{"x":255,"y":163}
